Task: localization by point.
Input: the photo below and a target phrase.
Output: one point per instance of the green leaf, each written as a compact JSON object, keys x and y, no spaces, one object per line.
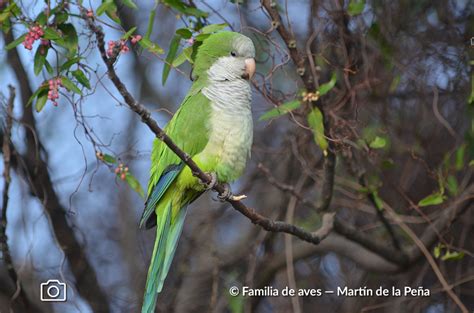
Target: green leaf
{"x":81,"y":78}
{"x":42,"y":98}
{"x":388,"y":164}
{"x":40,"y":58}
{"x":106,"y":5}
{"x":453,"y":256}
{"x":195,"y":12}
{"x":4,"y":17}
{"x":452,"y":185}
{"x":184,"y":8}
{"x":66,"y":82}
{"x":201,"y":37}
{"x":70,"y":39}
{"x":394,"y":84}
{"x":471,"y":96}
{"x":48,"y":67}
{"x":11,"y":9}
{"x":41,"y":18}
{"x":170,"y":57}
{"x":460,"y":152}
{"x":69,"y":63}
{"x":110,"y":9}
{"x":16,"y":42}
{"x":51,"y":34}
{"x":44,"y":87}
{"x":356,"y":7}
{"x":325,"y":88}
{"x":108,"y":158}
{"x":437,"y":250}
{"x":151,"y":20}
{"x":378,"y":143}
{"x":315,"y":121}
{"x":212,"y":28}
{"x":130,"y":4}
{"x":150,"y":46}
{"x":112,"y":14}
{"x":280,"y":110}
{"x":61,"y":17}
{"x":440,"y":182}
{"x":433,"y":199}
{"x":236,"y":304}
{"x":184,"y":32}
{"x":184,"y":56}
{"x":129,"y":33}
{"x":134,"y":184}
{"x":378,"y":201}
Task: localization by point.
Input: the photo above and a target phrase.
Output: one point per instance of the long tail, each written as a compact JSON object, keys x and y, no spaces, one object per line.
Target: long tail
{"x":168,"y":232}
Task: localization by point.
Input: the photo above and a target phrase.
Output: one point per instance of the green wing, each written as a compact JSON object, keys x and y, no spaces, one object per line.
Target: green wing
{"x":189,"y":130}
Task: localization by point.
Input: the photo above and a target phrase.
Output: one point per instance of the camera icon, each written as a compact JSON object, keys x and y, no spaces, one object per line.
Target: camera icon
{"x":53,"y":291}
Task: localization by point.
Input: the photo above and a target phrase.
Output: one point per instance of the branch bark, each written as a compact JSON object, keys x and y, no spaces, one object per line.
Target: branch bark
{"x":20,"y":299}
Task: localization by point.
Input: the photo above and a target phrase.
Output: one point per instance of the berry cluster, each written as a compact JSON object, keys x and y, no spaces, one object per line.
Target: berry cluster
{"x":53,"y":92}
{"x":311,"y":96}
{"x":136,"y":39}
{"x":121,"y":44}
{"x":34,"y":33}
{"x":122,"y":171}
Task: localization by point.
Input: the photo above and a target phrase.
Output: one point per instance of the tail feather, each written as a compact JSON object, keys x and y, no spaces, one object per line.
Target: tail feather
{"x":167,"y":234}
{"x":157,"y":258}
{"x":172,"y":244}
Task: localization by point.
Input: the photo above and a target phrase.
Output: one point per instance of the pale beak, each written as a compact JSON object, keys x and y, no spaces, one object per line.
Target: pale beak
{"x":249,"y":68}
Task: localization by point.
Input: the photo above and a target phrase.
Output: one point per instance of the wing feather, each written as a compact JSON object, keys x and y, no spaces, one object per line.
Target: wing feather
{"x":189,"y":130}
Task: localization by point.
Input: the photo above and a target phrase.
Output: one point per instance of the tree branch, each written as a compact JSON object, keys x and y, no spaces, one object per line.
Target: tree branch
{"x":36,"y":174}
{"x":255,"y":218}
{"x":19,"y":294}
{"x":7,"y":259}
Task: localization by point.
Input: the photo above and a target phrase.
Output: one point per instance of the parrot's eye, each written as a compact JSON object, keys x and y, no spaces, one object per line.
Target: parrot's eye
{"x":233,"y":53}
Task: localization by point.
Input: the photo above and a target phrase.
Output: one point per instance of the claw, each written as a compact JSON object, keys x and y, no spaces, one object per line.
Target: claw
{"x":237,"y":197}
{"x":210,"y":184}
{"x":227,"y":194}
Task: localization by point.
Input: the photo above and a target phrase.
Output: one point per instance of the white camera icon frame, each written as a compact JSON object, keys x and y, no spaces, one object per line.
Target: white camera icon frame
{"x":56,"y":285}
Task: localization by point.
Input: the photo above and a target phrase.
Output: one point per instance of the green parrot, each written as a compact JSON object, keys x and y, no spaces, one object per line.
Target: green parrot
{"x":214,"y":126}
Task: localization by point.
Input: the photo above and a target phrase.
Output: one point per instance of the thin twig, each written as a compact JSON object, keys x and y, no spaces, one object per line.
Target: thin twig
{"x":439,"y":117}
{"x":290,"y":269}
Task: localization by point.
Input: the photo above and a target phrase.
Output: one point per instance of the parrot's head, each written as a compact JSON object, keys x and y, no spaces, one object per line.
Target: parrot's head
{"x":226,"y":56}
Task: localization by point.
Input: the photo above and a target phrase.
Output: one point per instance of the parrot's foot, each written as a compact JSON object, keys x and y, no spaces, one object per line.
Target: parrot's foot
{"x":227,"y":195}
{"x":210,"y":184}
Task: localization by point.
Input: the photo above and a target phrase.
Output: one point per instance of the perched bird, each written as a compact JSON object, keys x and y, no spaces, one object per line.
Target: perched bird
{"x":214,"y":126}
